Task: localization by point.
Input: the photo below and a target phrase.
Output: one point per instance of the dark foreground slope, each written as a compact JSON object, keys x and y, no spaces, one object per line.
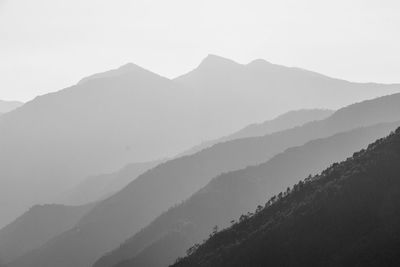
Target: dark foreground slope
{"x":37,"y":226}
{"x":122,"y":215}
{"x":349,"y":215}
{"x":231,"y":194}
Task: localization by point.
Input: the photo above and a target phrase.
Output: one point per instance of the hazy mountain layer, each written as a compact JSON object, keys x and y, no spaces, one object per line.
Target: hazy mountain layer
{"x":37,"y":226}
{"x":93,"y":127}
{"x":115,"y":219}
{"x":270,"y":89}
{"x":132,"y":115}
{"x":6,"y":106}
{"x":347,"y":216}
{"x":282,"y":122}
{"x":229,"y":195}
{"x":98,"y":187}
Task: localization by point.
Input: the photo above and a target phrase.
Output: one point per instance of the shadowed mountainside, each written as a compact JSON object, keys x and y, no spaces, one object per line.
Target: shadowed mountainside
{"x":347,"y":216}
{"x":113,"y":220}
{"x":229,"y":195}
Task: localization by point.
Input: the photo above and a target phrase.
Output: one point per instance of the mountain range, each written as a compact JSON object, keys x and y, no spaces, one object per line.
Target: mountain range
{"x":114,"y":219}
{"x":111,"y":119}
{"x":282,"y":122}
{"x":232,"y":194}
{"x":348,"y":215}
{"x":100,"y":186}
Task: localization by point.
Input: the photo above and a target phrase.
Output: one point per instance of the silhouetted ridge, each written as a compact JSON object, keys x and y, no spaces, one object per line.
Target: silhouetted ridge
{"x":259,"y":63}
{"x":129,"y":68}
{"x":231,"y":194}
{"x":117,"y":218}
{"x":349,"y":215}
{"x":6,"y":106}
{"x":217,"y":63}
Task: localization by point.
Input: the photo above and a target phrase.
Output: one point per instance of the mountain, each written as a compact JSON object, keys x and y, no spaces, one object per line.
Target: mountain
{"x":6,"y":106}
{"x":229,"y":195}
{"x":346,"y":216}
{"x":96,"y":126}
{"x":282,"y":122}
{"x":120,"y":216}
{"x":98,"y":187}
{"x":130,"y":114}
{"x":270,"y":89}
{"x":37,"y":226}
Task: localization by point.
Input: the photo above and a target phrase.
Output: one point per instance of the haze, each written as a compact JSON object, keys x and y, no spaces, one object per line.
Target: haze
{"x":50,"y":44}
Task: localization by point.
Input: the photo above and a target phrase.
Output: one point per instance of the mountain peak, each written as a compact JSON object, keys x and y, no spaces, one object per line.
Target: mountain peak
{"x":259,"y":62}
{"x":213,"y":61}
{"x":126,"y":68}
{"x":129,"y":67}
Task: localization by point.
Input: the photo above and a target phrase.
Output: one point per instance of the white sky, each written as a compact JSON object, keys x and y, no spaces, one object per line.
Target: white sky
{"x":46,"y":45}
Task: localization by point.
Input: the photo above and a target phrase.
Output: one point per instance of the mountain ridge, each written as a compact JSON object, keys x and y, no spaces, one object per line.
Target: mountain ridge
{"x":345,"y":216}
{"x":113,"y":220}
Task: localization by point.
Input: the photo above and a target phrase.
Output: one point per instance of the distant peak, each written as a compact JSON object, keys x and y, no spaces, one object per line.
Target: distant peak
{"x":259,"y":61}
{"x":129,"y":66}
{"x":124,"y":69}
{"x":212,"y":61}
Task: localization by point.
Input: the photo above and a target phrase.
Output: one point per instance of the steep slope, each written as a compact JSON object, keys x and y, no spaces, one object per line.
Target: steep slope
{"x":94,"y":127}
{"x":6,"y":106}
{"x":270,"y":89}
{"x":98,"y":187}
{"x":229,"y":195}
{"x":37,"y":226}
{"x":115,"y":219}
{"x":347,"y":216}
{"x":282,"y":122}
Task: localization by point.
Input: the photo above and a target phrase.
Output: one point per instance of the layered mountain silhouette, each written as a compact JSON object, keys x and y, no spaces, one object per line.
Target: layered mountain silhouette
{"x":346,"y":216}
{"x":282,"y":122}
{"x":37,"y":226}
{"x":122,"y":215}
{"x":98,"y":187}
{"x":133,"y":115}
{"x":270,"y":89}
{"x":229,"y":195}
{"x":6,"y":106}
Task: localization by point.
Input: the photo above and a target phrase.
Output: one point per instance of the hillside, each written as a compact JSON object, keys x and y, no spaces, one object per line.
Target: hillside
{"x":346,"y":216}
{"x":37,"y":226}
{"x":229,"y":195}
{"x":282,"y":122}
{"x":98,"y":187}
{"x":122,"y":215}
{"x":6,"y":106}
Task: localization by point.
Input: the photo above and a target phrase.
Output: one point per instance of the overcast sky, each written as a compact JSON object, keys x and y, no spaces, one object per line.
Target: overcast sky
{"x":46,"y":45}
